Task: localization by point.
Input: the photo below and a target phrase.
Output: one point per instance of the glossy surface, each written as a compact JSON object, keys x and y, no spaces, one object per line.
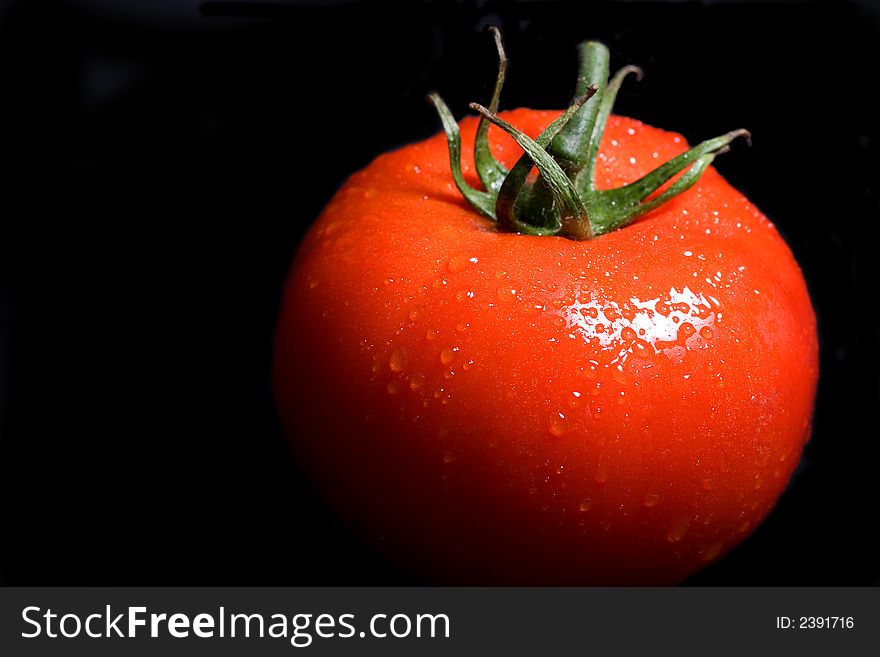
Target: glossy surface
{"x":496,"y":408}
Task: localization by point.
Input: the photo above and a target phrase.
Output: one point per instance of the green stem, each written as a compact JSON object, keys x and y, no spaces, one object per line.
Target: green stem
{"x":510,"y":193}
{"x":567,"y":201}
{"x":603,"y":111}
{"x":564,"y":199}
{"x":482,"y":201}
{"x":491,"y":172}
{"x":624,"y":205}
{"x":570,"y":146}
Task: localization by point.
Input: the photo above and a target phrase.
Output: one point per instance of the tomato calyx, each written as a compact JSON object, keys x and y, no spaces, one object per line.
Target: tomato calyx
{"x":563,"y":200}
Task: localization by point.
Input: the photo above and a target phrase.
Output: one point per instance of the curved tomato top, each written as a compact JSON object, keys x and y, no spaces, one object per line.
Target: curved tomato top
{"x":486,"y":407}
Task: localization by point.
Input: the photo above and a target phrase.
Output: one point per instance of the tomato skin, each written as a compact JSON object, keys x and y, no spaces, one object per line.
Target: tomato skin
{"x":491,"y":408}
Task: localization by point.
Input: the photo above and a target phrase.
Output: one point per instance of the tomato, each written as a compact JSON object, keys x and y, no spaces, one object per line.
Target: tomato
{"x":486,"y":407}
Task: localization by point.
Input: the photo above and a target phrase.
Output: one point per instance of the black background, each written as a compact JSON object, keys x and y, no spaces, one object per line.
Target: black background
{"x":159,"y":162}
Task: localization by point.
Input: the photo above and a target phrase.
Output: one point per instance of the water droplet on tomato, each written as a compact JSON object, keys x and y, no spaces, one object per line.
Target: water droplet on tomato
{"x":416,"y":381}
{"x":468,"y":364}
{"x":462,"y":327}
{"x":447,"y":354}
{"x":398,"y":360}
{"x":706,"y":333}
{"x":601,"y":472}
{"x":678,"y":529}
{"x":448,"y":457}
{"x":651,"y":500}
{"x":393,"y":386}
{"x":703,"y":312}
{"x":558,"y":424}
{"x":585,"y":505}
{"x":459,"y":263}
{"x":642,"y":348}
{"x":686,"y":330}
{"x":431,"y":334}
{"x":558,"y":322}
{"x":712,"y":551}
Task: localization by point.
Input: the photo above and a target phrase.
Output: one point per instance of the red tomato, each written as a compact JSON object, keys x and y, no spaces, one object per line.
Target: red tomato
{"x":496,"y":408}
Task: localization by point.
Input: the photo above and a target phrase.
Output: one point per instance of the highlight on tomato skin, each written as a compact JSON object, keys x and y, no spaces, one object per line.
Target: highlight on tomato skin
{"x":491,"y":407}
